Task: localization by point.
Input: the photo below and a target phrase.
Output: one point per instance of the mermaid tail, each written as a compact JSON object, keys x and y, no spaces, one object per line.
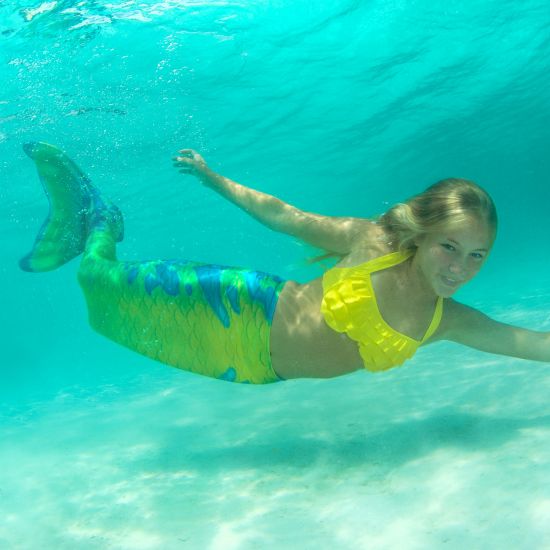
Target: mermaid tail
{"x":63,"y":235}
{"x":211,"y":320}
{"x":206,"y":319}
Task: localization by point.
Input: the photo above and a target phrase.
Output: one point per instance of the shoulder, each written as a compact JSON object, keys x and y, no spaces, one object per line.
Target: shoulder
{"x":370,"y":242}
{"x":361,"y":228}
{"x":459,"y":321}
{"x":372,"y":236}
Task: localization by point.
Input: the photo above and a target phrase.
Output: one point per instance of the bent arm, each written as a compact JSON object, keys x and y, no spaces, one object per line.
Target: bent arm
{"x":472,"y":328}
{"x":334,"y":234}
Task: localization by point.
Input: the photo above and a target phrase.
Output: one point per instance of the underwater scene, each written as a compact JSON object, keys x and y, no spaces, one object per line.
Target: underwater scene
{"x":342,"y":108}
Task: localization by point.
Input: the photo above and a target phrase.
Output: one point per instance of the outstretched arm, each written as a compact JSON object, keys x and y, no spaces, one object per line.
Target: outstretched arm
{"x":333,"y":234}
{"x":472,"y":328}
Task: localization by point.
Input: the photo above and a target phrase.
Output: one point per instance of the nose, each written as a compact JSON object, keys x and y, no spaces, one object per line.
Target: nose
{"x":456,"y":268}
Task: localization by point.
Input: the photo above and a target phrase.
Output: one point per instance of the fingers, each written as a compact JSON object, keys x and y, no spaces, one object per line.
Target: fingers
{"x":186,"y":155}
{"x":182,"y":160}
{"x":189,"y":154}
{"x":187,"y":161}
{"x":185,"y":165}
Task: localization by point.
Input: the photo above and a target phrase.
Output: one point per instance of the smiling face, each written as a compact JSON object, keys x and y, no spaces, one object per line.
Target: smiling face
{"x":447,"y":259}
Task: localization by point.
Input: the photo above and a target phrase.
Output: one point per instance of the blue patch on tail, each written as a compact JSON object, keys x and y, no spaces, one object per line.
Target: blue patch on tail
{"x":266,"y":295}
{"x":166,"y":277}
{"x":209,"y":277}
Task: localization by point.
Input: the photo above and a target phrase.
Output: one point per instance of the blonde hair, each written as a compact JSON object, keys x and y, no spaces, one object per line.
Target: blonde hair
{"x":446,"y":202}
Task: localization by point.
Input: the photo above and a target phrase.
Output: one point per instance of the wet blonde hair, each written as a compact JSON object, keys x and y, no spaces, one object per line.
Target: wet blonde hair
{"x":446,"y":202}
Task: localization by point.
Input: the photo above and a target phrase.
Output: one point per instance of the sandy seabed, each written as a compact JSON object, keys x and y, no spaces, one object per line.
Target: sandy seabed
{"x":451,"y":451}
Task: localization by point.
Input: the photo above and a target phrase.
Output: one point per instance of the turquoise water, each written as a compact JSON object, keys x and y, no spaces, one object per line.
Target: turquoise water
{"x":337,"y":107}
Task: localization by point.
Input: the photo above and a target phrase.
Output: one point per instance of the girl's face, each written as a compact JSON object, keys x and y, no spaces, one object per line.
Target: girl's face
{"x":448,"y":259}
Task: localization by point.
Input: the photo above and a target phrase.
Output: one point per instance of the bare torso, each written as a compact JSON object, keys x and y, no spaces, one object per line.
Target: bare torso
{"x":303,"y":345}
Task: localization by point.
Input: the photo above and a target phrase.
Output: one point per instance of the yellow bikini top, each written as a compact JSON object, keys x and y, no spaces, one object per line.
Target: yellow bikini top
{"x":349,"y":306}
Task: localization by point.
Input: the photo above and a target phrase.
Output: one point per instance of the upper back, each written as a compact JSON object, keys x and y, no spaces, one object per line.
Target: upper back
{"x":374,"y":242}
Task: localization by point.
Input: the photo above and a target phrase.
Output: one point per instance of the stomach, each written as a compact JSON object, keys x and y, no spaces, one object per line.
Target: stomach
{"x":302,"y":344}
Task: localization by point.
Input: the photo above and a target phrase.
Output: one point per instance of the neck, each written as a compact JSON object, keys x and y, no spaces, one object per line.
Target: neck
{"x":416,"y":281}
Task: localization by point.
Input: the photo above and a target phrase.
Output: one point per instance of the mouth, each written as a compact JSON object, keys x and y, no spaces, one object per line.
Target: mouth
{"x":451,"y":283}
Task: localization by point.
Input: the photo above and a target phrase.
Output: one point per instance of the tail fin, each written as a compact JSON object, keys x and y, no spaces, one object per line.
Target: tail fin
{"x":63,"y":235}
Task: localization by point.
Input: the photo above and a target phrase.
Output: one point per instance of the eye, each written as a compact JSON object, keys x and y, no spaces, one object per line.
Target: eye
{"x":477,"y":255}
{"x":448,"y":247}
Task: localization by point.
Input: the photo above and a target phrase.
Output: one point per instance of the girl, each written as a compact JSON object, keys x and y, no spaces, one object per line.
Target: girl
{"x":390,"y":293}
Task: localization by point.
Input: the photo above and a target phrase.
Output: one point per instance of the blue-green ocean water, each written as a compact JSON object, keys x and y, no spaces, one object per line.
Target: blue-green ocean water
{"x":342,"y":108}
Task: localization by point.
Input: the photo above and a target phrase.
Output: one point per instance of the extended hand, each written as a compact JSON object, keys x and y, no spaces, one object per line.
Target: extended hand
{"x":190,"y":162}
